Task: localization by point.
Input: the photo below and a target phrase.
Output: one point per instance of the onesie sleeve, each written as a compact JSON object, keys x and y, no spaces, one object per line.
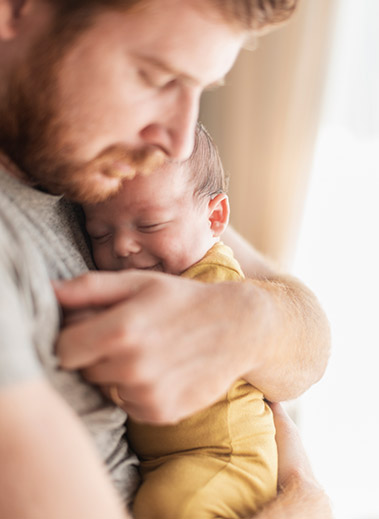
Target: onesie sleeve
{"x":18,"y":358}
{"x":216,"y":266}
{"x":211,"y":273}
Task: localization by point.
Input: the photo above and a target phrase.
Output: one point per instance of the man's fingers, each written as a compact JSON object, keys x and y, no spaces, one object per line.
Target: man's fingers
{"x":101,"y":336}
{"x":287,"y":434}
{"x":118,"y":369}
{"x":283,"y":422}
{"x":293,"y":460}
{"x":100,"y":288}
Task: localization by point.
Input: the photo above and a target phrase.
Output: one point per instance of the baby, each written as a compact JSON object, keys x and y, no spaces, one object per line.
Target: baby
{"x":222,"y":461}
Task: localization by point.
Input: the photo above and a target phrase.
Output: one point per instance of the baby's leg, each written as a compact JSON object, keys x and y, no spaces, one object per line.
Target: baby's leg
{"x":219,"y":463}
{"x":197,"y":486}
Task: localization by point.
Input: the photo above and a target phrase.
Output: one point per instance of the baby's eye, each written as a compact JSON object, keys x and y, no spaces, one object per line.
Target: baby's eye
{"x":103,"y":238}
{"x":151,"y":227}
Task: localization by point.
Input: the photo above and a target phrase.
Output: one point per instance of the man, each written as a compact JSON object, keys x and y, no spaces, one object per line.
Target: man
{"x":90,"y":92}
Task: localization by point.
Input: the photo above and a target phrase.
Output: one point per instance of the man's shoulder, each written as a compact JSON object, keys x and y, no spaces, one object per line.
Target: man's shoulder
{"x":47,"y":224}
{"x":11,"y":250}
{"x":29,"y":315}
{"x":18,"y":358}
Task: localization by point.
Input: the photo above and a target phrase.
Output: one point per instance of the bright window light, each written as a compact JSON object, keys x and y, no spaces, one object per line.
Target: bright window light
{"x":338,"y":257}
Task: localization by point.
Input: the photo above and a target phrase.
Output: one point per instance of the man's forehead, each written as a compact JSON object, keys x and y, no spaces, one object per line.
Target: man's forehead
{"x":181,"y":38}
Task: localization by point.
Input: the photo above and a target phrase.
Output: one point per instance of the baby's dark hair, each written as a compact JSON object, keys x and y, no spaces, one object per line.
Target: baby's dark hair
{"x":204,"y":166}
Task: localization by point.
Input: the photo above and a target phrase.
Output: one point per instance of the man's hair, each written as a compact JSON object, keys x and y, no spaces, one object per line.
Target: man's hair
{"x":204,"y":166}
{"x":254,"y":15}
{"x":251,"y":15}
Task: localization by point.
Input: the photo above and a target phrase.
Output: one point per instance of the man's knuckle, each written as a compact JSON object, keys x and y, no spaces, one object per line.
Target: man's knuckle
{"x":123,"y":336}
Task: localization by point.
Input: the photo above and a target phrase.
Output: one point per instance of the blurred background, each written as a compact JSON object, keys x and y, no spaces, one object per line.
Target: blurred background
{"x":297,"y":125}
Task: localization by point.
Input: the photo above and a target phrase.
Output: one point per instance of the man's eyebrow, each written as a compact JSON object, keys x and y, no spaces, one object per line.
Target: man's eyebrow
{"x":158,"y":63}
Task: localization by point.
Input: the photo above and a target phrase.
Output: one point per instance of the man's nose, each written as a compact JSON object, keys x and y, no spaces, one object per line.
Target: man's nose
{"x":125,"y":243}
{"x":174,"y":129}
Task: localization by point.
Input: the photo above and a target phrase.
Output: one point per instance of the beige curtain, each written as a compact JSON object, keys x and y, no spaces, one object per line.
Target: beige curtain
{"x":265,"y":121}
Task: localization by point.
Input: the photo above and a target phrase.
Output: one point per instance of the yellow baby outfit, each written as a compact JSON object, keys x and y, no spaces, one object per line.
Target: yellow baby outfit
{"x":220,"y":462}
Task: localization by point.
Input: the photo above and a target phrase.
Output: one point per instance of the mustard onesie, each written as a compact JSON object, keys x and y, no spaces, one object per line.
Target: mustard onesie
{"x":220,"y":462}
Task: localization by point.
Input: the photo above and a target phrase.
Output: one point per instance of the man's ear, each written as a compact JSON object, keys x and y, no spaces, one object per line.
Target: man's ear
{"x":218,"y":214}
{"x":10,"y":13}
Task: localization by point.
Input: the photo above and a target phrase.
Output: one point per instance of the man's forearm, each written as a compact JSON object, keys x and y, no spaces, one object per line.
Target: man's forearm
{"x":49,"y":467}
{"x":294,"y":343}
{"x":292,"y":337}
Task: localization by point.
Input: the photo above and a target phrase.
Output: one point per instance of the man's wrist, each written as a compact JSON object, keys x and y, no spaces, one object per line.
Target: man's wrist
{"x":297,"y":499}
{"x":306,"y":494}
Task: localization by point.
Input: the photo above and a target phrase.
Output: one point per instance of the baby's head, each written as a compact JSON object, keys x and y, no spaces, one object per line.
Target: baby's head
{"x":165,"y":221}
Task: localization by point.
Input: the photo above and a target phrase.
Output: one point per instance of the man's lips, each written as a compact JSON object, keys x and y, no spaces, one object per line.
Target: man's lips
{"x":120,"y":170}
{"x":121,"y":164}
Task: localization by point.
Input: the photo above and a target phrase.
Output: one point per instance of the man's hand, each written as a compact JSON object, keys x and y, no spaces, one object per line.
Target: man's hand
{"x":300,"y":495}
{"x":293,"y":462}
{"x":171,"y":346}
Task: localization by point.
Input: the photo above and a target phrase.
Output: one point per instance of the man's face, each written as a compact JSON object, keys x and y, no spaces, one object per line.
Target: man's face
{"x":122,"y":95}
{"x":154,"y":222}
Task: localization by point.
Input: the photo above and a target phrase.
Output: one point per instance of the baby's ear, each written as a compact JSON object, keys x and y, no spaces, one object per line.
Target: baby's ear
{"x":218,"y":214}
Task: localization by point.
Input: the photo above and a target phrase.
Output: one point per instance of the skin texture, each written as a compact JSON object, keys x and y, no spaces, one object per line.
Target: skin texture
{"x":76,"y":122}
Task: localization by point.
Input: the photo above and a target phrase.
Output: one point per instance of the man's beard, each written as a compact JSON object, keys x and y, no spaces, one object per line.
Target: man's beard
{"x":32,"y":134}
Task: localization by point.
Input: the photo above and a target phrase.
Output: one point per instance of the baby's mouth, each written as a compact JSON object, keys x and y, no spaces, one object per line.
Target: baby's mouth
{"x":157,"y":267}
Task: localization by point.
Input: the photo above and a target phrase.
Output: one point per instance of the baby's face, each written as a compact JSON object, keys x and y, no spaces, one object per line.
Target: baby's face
{"x":153,"y":223}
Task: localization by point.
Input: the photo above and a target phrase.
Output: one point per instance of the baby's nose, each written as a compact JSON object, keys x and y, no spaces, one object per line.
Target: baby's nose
{"x":125,"y":245}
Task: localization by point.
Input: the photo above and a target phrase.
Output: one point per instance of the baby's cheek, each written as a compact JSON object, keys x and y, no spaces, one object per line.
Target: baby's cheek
{"x":101,"y":258}
{"x":180,"y":261}
{"x":160,"y":245}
